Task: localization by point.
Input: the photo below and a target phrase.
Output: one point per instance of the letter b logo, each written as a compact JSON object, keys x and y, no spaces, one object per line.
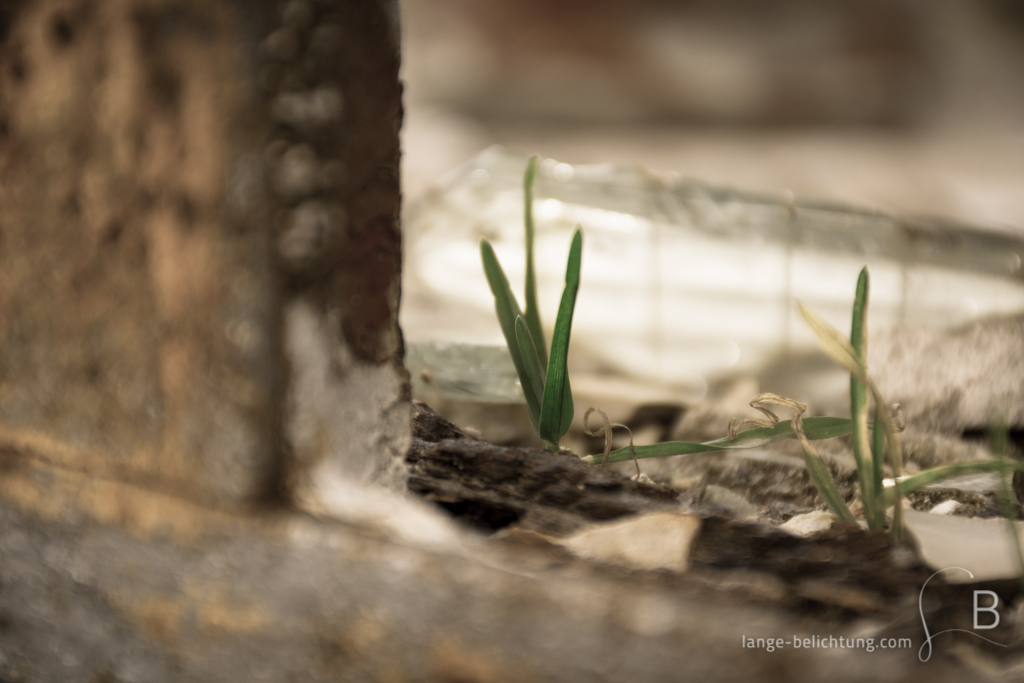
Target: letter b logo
{"x":991,"y":608}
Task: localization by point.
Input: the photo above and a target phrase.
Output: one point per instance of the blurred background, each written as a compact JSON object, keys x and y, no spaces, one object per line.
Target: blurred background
{"x":908,"y":104}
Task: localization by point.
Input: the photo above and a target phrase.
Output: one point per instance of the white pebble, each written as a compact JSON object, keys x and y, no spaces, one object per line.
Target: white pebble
{"x":947,"y":507}
{"x":809,"y":523}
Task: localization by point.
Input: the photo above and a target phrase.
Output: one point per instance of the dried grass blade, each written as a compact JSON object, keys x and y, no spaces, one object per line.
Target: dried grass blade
{"x":839,"y":349}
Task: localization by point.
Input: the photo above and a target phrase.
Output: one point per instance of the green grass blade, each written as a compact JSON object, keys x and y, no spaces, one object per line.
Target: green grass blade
{"x":859,"y":408}
{"x":532,"y":311}
{"x":557,"y":409}
{"x":998,"y":437}
{"x":841,"y":351}
{"x":659,"y":450}
{"x":822,"y":479}
{"x":878,"y":456}
{"x":532,"y":378}
{"x":814,"y":428}
{"x":508,"y":310}
{"x":938,"y":474}
{"x":892,"y":445}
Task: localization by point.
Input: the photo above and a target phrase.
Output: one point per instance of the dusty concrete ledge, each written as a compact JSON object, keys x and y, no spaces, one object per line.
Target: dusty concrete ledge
{"x":106,"y":581}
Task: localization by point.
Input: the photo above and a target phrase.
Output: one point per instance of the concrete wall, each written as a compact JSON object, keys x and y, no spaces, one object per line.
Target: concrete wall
{"x":199,"y":249}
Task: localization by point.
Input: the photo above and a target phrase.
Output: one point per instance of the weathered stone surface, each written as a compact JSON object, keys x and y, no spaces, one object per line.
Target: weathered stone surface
{"x":950,"y":382}
{"x":136,"y":281}
{"x":337,"y":103}
{"x":492,"y":487}
{"x":120,"y":583}
{"x":198,"y":286}
{"x":827,"y":575}
{"x":649,"y":541}
{"x":180,"y":180}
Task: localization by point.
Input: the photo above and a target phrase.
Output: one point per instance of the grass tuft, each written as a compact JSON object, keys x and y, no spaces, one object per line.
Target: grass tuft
{"x":545,"y":382}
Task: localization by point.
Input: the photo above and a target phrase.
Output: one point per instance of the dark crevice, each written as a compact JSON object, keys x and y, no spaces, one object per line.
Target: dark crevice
{"x":18,"y":70}
{"x":482,"y":515}
{"x":1015,"y":436}
{"x":62,"y":31}
{"x":8,"y":10}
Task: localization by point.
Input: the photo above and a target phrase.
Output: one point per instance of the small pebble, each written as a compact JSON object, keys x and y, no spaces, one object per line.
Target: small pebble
{"x":947,"y":507}
{"x":809,"y":523}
